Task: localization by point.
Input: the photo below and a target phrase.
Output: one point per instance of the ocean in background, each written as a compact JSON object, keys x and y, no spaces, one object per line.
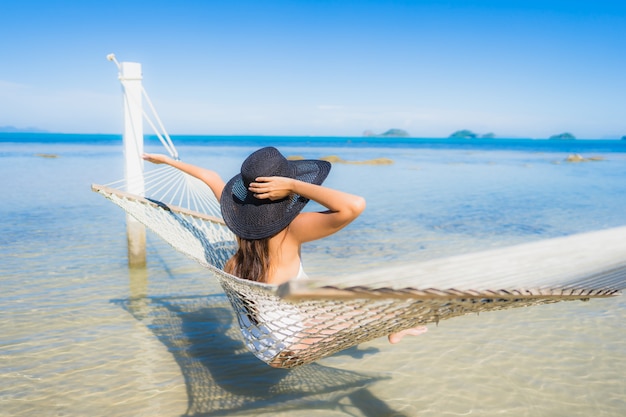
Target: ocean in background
{"x":81,"y":334}
{"x":530,"y":145}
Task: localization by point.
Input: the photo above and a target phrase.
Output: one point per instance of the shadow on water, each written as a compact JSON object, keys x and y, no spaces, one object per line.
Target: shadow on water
{"x":224,"y":378}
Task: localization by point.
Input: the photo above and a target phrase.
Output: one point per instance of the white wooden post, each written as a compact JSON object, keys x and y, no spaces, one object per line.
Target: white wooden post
{"x":130,"y":76}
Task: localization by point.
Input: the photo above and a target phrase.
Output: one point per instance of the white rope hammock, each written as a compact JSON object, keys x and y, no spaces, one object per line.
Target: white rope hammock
{"x":303,"y":321}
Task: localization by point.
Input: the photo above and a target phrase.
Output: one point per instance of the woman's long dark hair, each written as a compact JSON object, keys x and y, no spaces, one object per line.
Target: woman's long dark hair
{"x":251,"y":261}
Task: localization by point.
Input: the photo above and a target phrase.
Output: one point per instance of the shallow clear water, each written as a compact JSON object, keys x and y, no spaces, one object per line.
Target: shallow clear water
{"x":80,"y":334}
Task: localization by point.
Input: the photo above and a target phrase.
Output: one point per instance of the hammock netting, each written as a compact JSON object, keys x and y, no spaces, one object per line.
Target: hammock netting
{"x":302,"y":321}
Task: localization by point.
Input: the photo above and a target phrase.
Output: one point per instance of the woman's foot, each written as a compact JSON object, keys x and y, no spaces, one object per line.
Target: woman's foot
{"x":414,"y":331}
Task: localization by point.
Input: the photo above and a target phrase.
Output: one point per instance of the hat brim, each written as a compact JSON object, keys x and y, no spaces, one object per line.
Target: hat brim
{"x":251,"y":218}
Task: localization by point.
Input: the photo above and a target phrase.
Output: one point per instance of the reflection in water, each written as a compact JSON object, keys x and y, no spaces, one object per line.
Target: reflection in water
{"x":138,"y":287}
{"x":223,"y":377}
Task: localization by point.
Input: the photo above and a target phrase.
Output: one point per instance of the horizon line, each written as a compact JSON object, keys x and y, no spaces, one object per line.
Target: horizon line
{"x":234,"y":135}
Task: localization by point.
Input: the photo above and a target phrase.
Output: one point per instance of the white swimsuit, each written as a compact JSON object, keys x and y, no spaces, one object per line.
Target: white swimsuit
{"x":278,"y":325}
{"x":301,"y":273}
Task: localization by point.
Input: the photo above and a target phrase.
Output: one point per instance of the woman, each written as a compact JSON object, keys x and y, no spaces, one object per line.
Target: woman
{"x":262,"y":206}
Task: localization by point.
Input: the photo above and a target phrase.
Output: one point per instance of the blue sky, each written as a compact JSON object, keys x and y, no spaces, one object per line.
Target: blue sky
{"x":336,"y":68}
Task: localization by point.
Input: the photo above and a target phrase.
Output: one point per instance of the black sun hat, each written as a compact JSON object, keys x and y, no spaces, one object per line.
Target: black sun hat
{"x":252,"y":218}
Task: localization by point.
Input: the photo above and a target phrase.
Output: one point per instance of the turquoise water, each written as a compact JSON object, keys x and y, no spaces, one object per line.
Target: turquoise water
{"x":80,"y":334}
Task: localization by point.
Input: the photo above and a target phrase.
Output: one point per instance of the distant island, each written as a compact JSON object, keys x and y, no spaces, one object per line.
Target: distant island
{"x":563,"y":136}
{"x":623,"y":137}
{"x":13,"y":129}
{"x":391,"y":133}
{"x":468,"y":134}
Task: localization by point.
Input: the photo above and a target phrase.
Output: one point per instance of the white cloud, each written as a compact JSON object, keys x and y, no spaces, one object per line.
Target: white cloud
{"x":7,"y":87}
{"x":329,"y":107}
{"x":70,"y":110}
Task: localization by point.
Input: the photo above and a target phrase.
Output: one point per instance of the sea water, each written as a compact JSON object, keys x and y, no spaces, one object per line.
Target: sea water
{"x":81,"y":334}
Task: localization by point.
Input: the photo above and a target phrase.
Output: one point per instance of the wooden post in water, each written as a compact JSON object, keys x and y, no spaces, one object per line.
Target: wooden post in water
{"x":130,"y":77}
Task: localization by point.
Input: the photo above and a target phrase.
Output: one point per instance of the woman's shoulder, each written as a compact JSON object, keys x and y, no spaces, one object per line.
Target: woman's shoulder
{"x":309,"y":226}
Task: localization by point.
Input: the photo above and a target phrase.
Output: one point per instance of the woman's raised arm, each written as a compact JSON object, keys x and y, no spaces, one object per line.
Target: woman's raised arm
{"x":210,"y":178}
{"x":342,"y":207}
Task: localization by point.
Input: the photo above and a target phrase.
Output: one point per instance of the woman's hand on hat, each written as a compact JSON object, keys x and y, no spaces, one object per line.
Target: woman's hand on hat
{"x":273,"y":188}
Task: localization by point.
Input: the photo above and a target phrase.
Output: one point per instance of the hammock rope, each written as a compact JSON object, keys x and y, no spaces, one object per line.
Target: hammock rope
{"x":303,"y":321}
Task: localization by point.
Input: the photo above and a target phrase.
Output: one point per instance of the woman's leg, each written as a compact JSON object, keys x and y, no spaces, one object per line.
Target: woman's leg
{"x":414,"y":331}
